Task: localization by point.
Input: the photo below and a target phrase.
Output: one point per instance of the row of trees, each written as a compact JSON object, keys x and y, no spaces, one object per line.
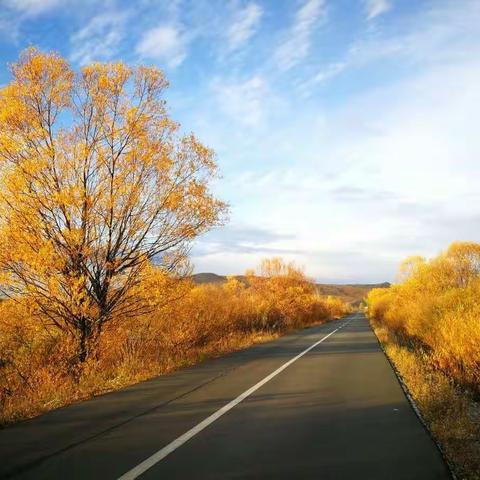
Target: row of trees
{"x":189,"y":322}
{"x":435,"y":307}
{"x":97,"y":184}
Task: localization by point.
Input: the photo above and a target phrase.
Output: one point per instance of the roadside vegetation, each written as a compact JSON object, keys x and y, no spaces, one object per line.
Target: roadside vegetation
{"x":101,"y":198}
{"x":39,"y":368}
{"x":429,"y":325}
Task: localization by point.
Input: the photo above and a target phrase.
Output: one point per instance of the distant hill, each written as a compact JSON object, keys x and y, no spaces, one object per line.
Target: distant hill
{"x":351,"y":293}
{"x":208,"y":278}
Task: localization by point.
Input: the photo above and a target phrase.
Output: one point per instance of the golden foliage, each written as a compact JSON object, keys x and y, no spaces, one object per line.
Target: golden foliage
{"x":189,"y":322}
{"x":437,"y":306}
{"x":96,"y":182}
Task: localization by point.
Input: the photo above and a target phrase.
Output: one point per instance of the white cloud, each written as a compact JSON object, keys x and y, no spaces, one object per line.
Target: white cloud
{"x":244,"y":26}
{"x":99,"y":39}
{"x":374,"y":8}
{"x":164,"y":43}
{"x":298,"y":40}
{"x":13,"y":13}
{"x":324,"y":75}
{"x":244,"y":102}
{"x":331,"y":71}
{"x":381,"y":174}
{"x":440,"y":35}
{"x":31,"y":7}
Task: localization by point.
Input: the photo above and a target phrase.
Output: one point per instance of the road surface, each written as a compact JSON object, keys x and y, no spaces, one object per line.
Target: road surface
{"x":321,"y":403}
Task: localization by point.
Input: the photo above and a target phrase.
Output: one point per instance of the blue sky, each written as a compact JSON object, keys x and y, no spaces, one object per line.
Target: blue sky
{"x":347,"y":131}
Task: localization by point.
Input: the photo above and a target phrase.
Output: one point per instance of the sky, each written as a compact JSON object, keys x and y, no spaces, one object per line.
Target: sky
{"x":347,"y":132}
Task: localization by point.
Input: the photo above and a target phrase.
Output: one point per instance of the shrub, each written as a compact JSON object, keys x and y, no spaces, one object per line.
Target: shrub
{"x":436,"y":308}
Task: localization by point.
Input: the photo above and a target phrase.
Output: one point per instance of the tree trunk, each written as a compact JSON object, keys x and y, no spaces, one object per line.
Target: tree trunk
{"x":84,"y":339}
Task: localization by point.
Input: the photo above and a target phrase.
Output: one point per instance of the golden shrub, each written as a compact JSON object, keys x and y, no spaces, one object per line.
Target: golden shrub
{"x":436,"y":308}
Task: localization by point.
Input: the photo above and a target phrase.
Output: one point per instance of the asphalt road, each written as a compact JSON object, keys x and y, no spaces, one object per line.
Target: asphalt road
{"x":277,"y":410}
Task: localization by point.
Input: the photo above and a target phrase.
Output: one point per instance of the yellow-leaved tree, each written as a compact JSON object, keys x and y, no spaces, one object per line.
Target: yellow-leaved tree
{"x":96,"y":184}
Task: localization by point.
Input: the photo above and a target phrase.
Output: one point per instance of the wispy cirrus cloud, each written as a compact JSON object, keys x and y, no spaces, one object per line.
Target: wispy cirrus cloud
{"x":297,"y":44}
{"x":374,"y":8}
{"x":13,"y":13}
{"x":165,"y":43}
{"x":441,"y":35}
{"x":243,"y":101}
{"x":31,"y":7}
{"x":325,"y":74}
{"x":99,"y":39}
{"x":403,"y":152}
{"x":244,"y":26}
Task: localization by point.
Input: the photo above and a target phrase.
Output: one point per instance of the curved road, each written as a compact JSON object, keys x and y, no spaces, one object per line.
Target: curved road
{"x":321,"y":403}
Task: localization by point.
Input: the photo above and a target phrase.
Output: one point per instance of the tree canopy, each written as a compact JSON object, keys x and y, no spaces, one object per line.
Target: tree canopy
{"x":97,"y":183}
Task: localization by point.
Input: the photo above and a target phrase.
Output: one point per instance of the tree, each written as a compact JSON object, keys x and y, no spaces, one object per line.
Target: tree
{"x":409,"y":268}
{"x":463,"y":258}
{"x":97,"y":183}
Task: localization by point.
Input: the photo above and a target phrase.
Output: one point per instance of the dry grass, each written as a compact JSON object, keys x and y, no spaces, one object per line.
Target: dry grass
{"x":449,"y":412}
{"x":38,"y":366}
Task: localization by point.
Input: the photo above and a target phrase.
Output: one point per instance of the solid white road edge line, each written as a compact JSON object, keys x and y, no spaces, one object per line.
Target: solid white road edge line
{"x":178,"y":442}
